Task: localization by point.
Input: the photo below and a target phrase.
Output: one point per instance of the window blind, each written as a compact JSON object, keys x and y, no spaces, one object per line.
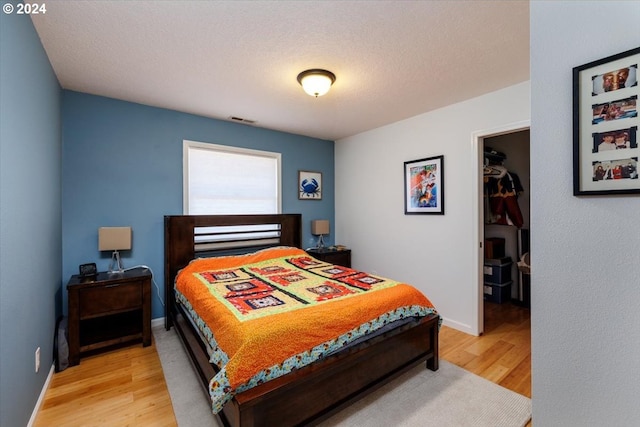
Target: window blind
{"x":229,"y":180}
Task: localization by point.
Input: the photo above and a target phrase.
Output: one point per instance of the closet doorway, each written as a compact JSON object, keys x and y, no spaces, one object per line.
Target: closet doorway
{"x":502,"y":217}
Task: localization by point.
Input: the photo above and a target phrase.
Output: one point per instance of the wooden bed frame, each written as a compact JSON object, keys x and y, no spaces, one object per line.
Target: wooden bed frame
{"x":311,"y":394}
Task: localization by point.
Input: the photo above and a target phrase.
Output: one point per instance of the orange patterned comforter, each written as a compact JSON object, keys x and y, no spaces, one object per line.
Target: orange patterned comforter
{"x":269,"y":312}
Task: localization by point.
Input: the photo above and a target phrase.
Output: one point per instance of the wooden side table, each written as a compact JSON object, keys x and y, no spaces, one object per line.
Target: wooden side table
{"x":336,"y":257}
{"x":109,"y":309}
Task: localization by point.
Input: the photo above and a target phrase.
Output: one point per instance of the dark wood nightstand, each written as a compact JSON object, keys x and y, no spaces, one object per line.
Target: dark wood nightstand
{"x":342,"y":257}
{"x":109,"y":309}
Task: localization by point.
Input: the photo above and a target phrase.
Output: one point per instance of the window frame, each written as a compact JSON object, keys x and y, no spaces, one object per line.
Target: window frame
{"x":188,"y":145}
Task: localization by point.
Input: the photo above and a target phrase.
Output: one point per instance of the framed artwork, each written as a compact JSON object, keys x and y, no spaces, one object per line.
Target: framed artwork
{"x":605,"y":126}
{"x":309,"y":185}
{"x":424,"y":186}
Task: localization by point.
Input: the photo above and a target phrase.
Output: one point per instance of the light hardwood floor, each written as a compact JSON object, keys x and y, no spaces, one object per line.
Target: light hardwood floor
{"x":123,"y":387}
{"x":126,"y":387}
{"x":502,"y":354}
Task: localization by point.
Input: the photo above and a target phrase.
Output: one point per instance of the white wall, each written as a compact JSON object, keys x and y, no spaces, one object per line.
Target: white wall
{"x":585,"y":251}
{"x":436,"y":253}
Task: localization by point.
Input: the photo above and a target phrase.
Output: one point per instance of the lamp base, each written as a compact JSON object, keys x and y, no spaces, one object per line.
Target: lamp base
{"x":115,"y":266}
{"x":320,"y":244}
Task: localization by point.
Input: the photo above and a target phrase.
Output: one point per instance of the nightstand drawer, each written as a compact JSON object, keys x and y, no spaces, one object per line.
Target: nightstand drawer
{"x":112,"y":298}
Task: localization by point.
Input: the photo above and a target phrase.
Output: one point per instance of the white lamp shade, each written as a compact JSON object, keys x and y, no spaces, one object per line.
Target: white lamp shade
{"x":316,"y":85}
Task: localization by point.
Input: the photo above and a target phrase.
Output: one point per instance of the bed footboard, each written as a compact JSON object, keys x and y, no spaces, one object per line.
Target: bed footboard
{"x":314,"y":393}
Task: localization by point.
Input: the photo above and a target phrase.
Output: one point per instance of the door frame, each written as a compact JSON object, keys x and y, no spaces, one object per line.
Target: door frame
{"x":477,"y":142}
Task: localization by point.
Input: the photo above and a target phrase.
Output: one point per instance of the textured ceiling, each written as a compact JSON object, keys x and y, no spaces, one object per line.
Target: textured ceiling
{"x":392,"y":59}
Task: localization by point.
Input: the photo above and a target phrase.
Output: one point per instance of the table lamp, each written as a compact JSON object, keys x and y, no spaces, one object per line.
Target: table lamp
{"x":319,"y":227}
{"x":114,"y":239}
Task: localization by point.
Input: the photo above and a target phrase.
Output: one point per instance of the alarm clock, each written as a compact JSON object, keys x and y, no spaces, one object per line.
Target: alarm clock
{"x":88,"y":270}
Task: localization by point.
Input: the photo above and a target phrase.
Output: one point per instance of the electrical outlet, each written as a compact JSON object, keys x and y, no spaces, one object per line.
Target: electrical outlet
{"x":37,"y":359}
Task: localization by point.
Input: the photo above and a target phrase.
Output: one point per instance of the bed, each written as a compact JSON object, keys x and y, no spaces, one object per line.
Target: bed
{"x":306,"y":395}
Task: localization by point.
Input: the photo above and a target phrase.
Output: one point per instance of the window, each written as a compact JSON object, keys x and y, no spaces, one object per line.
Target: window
{"x":227,"y":180}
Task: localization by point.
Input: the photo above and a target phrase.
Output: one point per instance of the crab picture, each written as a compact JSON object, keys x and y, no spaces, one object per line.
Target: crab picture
{"x":310,"y":188}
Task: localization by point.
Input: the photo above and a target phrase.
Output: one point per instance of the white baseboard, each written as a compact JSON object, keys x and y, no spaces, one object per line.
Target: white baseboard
{"x":462,"y":327}
{"x":45,"y":387}
{"x":157,"y":322}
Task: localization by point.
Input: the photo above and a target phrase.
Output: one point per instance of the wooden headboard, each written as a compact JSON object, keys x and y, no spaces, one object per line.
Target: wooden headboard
{"x":187,"y":237}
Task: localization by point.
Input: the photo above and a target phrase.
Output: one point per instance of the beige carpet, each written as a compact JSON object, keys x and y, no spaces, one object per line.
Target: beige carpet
{"x":450,"y":397}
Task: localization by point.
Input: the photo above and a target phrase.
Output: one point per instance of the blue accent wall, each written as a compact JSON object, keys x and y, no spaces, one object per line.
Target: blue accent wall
{"x":30,"y":216}
{"x":122,"y":166}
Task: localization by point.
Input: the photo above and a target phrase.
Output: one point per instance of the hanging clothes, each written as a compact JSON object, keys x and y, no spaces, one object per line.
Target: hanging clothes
{"x":502,"y":191}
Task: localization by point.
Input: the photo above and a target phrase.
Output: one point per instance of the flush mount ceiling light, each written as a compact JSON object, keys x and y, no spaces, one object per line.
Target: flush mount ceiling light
{"x":316,"y":82}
